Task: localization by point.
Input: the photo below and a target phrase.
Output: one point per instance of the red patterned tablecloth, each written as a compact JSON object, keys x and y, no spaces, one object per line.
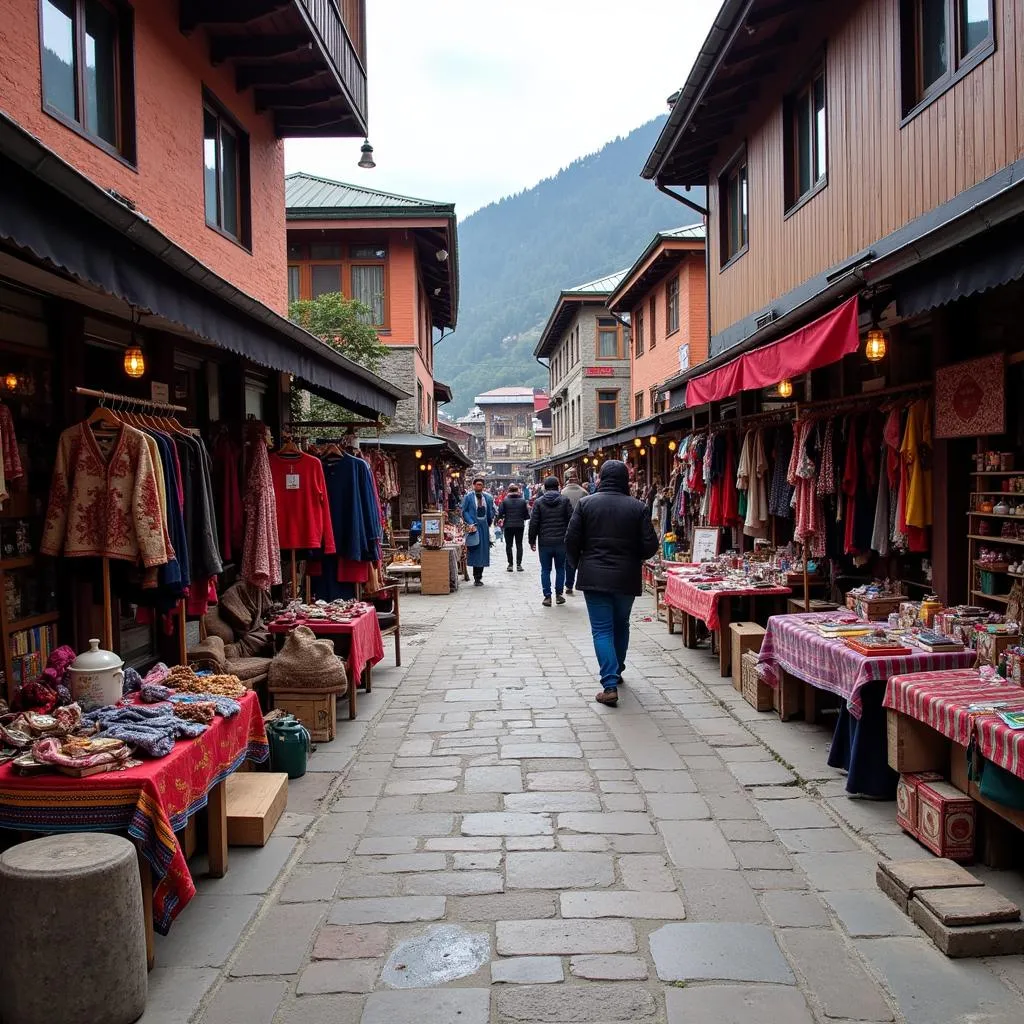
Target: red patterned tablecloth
{"x":365,"y":647}
{"x":792,"y":643}
{"x":703,"y":604}
{"x":940,"y":700}
{"x":150,"y":802}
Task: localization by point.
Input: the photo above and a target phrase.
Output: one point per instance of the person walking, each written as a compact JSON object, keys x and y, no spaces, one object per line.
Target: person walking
{"x":548,"y":523}
{"x":513,"y":513}
{"x":573,"y":491}
{"x":609,"y":536}
{"x":478,"y":514}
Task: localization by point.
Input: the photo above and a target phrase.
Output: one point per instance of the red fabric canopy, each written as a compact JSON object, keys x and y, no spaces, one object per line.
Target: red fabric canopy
{"x":824,"y":341}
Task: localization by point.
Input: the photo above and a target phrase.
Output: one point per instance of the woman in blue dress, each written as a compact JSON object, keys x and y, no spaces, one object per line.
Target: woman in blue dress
{"x":478,"y":514}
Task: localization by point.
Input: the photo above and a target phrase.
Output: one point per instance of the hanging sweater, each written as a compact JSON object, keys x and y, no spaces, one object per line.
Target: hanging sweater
{"x":261,"y":554}
{"x":303,"y":511}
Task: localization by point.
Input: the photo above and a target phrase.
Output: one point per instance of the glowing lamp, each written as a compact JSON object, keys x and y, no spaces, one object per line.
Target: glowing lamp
{"x":586,"y":460}
{"x":652,"y":440}
{"x":419,"y":454}
{"x":134,"y":362}
{"x":430,"y":467}
{"x":637,"y":442}
{"x":785,"y":388}
{"x":11,"y":381}
{"x":423,"y":466}
{"x":875,"y":346}
{"x":643,"y":451}
{"x":672,"y":446}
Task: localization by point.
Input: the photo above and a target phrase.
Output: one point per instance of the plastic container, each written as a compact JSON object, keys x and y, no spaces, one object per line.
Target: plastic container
{"x":289,"y":746}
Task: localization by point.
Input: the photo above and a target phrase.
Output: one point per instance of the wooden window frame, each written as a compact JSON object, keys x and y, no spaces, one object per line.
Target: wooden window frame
{"x":793,"y":106}
{"x":732,"y":170}
{"x":638,"y":406}
{"x":638,"y":333}
{"x":605,"y":329}
{"x":615,"y":406}
{"x":654,"y":401}
{"x":345,"y":263}
{"x":914,"y":97}
{"x":124,"y":150}
{"x":671,"y":305}
{"x":652,"y":316}
{"x":225,"y":119}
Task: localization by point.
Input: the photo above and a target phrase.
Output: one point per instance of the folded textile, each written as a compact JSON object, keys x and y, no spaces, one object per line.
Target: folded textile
{"x":132,"y":681}
{"x":157,"y":674}
{"x":225,"y":706}
{"x":83,"y":754}
{"x":152,"y":730}
{"x":154,"y":693}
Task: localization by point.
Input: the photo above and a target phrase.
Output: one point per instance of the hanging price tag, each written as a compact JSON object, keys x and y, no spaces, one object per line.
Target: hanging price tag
{"x":291,"y":482}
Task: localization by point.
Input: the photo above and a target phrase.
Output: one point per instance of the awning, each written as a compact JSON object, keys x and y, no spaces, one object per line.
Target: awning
{"x":54,"y":213}
{"x":639,"y":428}
{"x":421,"y":442}
{"x":560,"y":457}
{"x":824,"y":341}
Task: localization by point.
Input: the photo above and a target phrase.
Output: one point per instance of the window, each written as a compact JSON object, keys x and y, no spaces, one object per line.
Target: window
{"x":226,"y":174}
{"x":368,"y":288}
{"x":638,"y":406}
{"x":652,"y":311}
{"x":732,"y":192}
{"x":419,"y":405}
{"x":607,"y":338}
{"x":804,"y":130}
{"x":672,"y":305}
{"x":654,"y":401}
{"x":87,"y":62}
{"x":940,"y":41}
{"x":294,"y":284}
{"x":607,"y":410}
{"x":572,"y":417}
{"x":638,"y":332}
{"x":325,"y":278}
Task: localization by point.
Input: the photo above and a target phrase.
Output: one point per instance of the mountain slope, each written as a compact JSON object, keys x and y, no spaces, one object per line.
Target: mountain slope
{"x":592,"y":218}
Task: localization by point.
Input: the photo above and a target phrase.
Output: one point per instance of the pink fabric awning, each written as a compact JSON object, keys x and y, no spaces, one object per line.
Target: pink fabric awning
{"x":825,"y":340}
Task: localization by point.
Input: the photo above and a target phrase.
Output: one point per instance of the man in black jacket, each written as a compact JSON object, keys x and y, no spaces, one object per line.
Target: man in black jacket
{"x":548,"y":523}
{"x":609,"y":537}
{"x":513,"y":513}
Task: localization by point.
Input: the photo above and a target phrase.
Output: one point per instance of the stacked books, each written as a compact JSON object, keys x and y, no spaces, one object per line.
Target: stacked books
{"x":929,"y":640}
{"x":841,"y":627}
{"x":876,"y":646}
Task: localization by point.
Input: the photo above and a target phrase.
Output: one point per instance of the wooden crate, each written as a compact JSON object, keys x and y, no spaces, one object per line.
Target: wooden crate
{"x":913,"y":746}
{"x":435,"y":575}
{"x":316,"y":711}
{"x":787,"y":697}
{"x":745,"y":636}
{"x":256,"y":800}
{"x":795,"y":605}
{"x":756,"y":693}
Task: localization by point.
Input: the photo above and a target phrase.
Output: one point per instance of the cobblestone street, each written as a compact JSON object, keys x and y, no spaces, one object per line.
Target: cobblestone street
{"x":678,"y":859}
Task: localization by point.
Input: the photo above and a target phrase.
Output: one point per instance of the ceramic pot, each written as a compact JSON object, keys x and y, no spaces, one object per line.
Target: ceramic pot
{"x":96,"y":677}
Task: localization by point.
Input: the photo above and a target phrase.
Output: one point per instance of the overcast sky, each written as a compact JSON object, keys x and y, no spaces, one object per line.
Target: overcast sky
{"x":471,"y":100}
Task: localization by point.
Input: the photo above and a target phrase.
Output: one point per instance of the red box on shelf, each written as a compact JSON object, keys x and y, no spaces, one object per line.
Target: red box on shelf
{"x":945,"y":820}
{"x":906,"y":798}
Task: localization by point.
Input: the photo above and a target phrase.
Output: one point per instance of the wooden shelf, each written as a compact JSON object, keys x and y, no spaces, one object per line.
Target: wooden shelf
{"x":995,"y":540}
{"x":1001,"y":494}
{"x":996,"y":515}
{"x":987,"y":568}
{"x":1001,"y":598}
{"x":31,"y":622}
{"x":22,"y":562}
{"x":1000,"y":472}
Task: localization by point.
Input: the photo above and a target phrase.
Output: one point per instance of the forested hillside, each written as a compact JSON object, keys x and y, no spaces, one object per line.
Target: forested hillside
{"x":590,"y":219}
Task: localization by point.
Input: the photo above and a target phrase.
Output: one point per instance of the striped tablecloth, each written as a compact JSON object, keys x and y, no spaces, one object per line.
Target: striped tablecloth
{"x":703,"y":604}
{"x":793,"y":644}
{"x":940,"y":700}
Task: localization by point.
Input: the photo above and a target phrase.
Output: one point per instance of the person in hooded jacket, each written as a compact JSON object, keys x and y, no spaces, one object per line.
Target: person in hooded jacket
{"x":513,"y":513}
{"x":548,"y":523}
{"x":574,"y":493}
{"x":609,"y":537}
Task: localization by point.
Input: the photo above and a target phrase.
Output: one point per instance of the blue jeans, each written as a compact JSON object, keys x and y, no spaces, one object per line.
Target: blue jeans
{"x":609,"y":625}
{"x":570,"y":574}
{"x":547,"y":556}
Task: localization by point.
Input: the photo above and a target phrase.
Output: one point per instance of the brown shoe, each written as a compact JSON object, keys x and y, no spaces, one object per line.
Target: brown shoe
{"x":609,"y":697}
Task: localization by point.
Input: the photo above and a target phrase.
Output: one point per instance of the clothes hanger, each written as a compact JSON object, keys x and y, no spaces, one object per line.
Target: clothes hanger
{"x":102,"y":419}
{"x":290,"y":449}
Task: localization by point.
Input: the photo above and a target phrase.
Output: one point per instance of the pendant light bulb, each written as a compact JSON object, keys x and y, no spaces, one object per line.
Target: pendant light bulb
{"x":11,"y":381}
{"x":672,"y":446}
{"x":134,"y":362}
{"x":652,"y":440}
{"x":419,"y":454}
{"x":366,"y":160}
{"x":637,"y":442}
{"x":785,"y":388}
{"x":875,"y":347}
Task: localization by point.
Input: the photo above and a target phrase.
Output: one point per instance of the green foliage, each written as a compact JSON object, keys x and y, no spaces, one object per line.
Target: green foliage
{"x":344,"y":325}
{"x":593,"y":218}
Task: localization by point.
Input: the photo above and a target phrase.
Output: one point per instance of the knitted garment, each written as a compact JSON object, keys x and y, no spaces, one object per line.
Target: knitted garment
{"x":132,"y":681}
{"x":224,"y":706}
{"x":157,"y":674}
{"x":152,"y":730}
{"x":261,"y":555}
{"x":153,"y":693}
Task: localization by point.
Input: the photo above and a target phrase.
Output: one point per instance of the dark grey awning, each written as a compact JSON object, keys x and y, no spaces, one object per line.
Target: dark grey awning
{"x":53,"y":213}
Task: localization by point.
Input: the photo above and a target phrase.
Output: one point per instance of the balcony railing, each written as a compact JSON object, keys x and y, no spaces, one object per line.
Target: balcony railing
{"x":340,"y":25}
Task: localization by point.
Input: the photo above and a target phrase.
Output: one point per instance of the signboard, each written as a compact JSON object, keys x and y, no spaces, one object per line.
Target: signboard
{"x":599,"y":371}
{"x":159,"y":393}
{"x":705,"y":544}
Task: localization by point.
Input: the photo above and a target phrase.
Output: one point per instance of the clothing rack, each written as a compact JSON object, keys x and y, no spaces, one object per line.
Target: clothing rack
{"x":301,"y":425}
{"x":867,"y":399}
{"x":109,"y":396}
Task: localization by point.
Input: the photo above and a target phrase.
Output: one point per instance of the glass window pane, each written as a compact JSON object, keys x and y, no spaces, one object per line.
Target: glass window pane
{"x":975,"y":27}
{"x":368,"y":252}
{"x":368,"y":288}
{"x":608,"y":344}
{"x":101,"y":71}
{"x":744,"y":213}
{"x":819,"y":128}
{"x":804,"y":154}
{"x":297,"y":252}
{"x":229,"y":180}
{"x":210,"y":166}
{"x":294,"y":291}
{"x":59,"y":56}
{"x":934,"y":59}
{"x":325,"y":252}
{"x":326,"y":279}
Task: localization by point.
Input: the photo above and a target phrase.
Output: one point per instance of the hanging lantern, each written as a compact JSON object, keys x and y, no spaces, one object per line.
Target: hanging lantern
{"x":423,"y":467}
{"x":643,"y":451}
{"x":134,"y":361}
{"x":672,"y":446}
{"x":430,"y":467}
{"x":785,"y":388}
{"x":11,"y":381}
{"x":586,"y":460}
{"x":875,"y":347}
{"x":637,"y":442}
{"x":652,"y":440}
{"x":419,"y":454}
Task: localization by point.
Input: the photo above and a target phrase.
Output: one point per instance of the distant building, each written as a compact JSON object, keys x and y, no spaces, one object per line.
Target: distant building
{"x":475,"y":423}
{"x":587,"y":351}
{"x":542,"y":423}
{"x":509,"y":442}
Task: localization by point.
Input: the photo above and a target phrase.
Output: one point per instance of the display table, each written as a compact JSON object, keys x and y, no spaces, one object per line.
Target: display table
{"x":150,"y":803}
{"x":366,"y":646}
{"x":792,"y":644}
{"x":710,"y":608}
{"x":406,"y":571}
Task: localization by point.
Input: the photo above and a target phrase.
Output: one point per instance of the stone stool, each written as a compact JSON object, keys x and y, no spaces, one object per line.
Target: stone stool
{"x":75,"y":942}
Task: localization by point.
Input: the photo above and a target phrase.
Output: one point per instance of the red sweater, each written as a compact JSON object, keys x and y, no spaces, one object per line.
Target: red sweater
{"x":303,"y":515}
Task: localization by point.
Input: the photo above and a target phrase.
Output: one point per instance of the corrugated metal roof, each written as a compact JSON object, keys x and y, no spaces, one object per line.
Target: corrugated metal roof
{"x":602,"y":286}
{"x":516,"y":392}
{"x":309,"y":192}
{"x":690,"y":231}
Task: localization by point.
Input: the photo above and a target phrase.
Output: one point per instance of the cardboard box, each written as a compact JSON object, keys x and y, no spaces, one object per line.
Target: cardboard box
{"x":945,"y":820}
{"x":745,"y":636}
{"x":316,"y":711}
{"x":757,"y":694}
{"x":906,"y":798}
{"x":913,"y":746}
{"x":256,"y":801}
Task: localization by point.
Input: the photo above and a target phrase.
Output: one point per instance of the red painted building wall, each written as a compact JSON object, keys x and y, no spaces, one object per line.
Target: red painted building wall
{"x":166,"y":184}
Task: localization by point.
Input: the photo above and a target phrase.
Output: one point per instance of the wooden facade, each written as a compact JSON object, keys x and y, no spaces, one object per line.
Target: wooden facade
{"x":883,"y":170}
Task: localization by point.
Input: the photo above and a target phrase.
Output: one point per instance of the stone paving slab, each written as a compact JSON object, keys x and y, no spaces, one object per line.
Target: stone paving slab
{"x":530,"y":938}
{"x":527,"y":970}
{"x":414,"y":1006}
{"x":718,"y":952}
{"x":736,"y":1004}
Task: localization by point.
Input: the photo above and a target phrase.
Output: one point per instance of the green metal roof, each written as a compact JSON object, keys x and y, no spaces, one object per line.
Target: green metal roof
{"x":307,"y":195}
{"x":602,"y":286}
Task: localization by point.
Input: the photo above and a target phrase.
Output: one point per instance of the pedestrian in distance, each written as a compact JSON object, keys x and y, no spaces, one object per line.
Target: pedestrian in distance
{"x":478,"y":514}
{"x":548,"y":523}
{"x":609,"y":537}
{"x":573,"y":491}
{"x":512,"y":514}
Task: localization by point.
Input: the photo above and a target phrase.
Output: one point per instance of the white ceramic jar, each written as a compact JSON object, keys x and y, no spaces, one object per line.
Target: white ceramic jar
{"x":96,"y":677}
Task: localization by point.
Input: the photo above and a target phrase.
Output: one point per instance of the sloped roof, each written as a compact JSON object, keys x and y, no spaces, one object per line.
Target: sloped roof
{"x":506,"y":396}
{"x":646,"y":271}
{"x":569,"y":299}
{"x":310,"y":192}
{"x":602,"y":286}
